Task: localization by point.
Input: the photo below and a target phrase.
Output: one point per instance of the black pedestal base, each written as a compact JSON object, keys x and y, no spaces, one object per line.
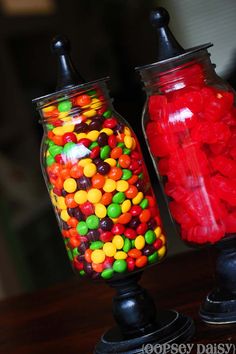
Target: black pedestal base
{"x":219,"y":307}
{"x":171,"y":327}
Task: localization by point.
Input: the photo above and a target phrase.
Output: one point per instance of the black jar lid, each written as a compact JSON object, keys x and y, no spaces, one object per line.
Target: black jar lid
{"x":168,"y":48}
{"x":68,"y":78}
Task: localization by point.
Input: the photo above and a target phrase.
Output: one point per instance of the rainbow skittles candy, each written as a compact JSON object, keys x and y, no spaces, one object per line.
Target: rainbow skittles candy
{"x":98,"y":183}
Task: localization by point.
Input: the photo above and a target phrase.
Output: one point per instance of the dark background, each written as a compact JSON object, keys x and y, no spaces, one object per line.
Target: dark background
{"x":108,"y":37}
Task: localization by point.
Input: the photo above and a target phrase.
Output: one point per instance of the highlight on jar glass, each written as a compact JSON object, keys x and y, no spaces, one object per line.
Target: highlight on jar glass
{"x":189,"y":122}
{"x":98,"y":183}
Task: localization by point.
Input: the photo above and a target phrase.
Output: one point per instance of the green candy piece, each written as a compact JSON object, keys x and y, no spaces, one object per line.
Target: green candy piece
{"x":120,"y":266}
{"x":107,"y":273}
{"x":150,"y":237}
{"x":64,"y":106}
{"x":126,"y":151}
{"x":82,"y":273}
{"x":153,"y":258}
{"x":93,"y":145}
{"x":68,"y":147}
{"x":140,"y":175}
{"x":114,"y":210}
{"x":92,"y":222}
{"x":121,"y":145}
{"x":55,"y":150}
{"x":92,"y":92}
{"x":96,"y":245}
{"x":49,"y":126}
{"x":119,"y":198}
{"x":105,"y":152}
{"x":82,"y":228}
{"x":50,"y":143}
{"x":107,"y":114}
{"x":70,"y":255}
{"x":127,"y":174}
{"x":144,"y":203}
{"x":49,"y":160}
{"x":133,"y":243}
{"x":75,"y":252}
{"x":127,"y":245}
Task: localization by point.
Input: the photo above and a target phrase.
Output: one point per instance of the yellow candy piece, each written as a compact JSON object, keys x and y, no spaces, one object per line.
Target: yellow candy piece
{"x":96,"y":103}
{"x":108,"y":131}
{"x":70,"y":185}
{"x":139,"y":197}
{"x":112,"y":162}
{"x":93,"y":135}
{"x":118,"y":241}
{"x":64,"y":215}
{"x":63,"y":115}
{"x":127,"y":131}
{"x":100,"y":210}
{"x":94,"y":195}
{"x":90,"y":113}
{"x":53,"y":198}
{"x":98,"y":256}
{"x":90,"y":170}
{"x":128,"y":141}
{"x":110,"y":185}
{"x":157,"y":231}
{"x":68,"y":128}
{"x":58,"y":131}
{"x":49,"y":109}
{"x":66,"y":119}
{"x":139,"y":242}
{"x":84,"y":162}
{"x":81,"y":197}
{"x":109,"y":249}
{"x":161,"y":252}
{"x":122,"y":186}
{"x":81,"y":136}
{"x":88,"y":121}
{"x":125,"y":206}
{"x":120,"y":255}
{"x":47,"y":153}
{"x":61,"y":203}
{"x":163,"y":238}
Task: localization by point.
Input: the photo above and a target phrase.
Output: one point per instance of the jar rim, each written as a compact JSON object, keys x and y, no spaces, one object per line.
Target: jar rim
{"x":169,"y":60}
{"x":40,"y":101}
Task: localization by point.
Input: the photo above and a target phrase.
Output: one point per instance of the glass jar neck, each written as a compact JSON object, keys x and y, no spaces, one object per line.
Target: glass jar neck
{"x":74,"y":105}
{"x":191,"y":71}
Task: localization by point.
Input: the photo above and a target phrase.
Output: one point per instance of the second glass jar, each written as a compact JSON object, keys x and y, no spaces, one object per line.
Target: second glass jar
{"x":189,"y":122}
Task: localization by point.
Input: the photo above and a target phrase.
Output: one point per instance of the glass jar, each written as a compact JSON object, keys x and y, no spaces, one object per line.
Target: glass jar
{"x":98,"y":184}
{"x":189,"y":122}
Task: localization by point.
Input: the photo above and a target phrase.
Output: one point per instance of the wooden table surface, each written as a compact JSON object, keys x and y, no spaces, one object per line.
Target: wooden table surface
{"x":69,"y":318}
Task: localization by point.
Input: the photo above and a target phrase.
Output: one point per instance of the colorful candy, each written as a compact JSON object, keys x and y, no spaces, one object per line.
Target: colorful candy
{"x":100,"y":188}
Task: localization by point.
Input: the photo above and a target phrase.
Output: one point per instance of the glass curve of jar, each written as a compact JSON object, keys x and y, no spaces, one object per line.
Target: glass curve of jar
{"x":189,"y":122}
{"x":98,"y":184}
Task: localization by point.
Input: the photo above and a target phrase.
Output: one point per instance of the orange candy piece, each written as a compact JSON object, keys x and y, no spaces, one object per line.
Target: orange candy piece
{"x":83,"y":100}
{"x":145,"y":215}
{"x":74,"y":242}
{"x":76,"y":171}
{"x":98,"y":181}
{"x":141,"y":261}
{"x":116,"y":152}
{"x":124,"y":218}
{"x":115,"y":173}
{"x":124,"y":161}
{"x":106,"y":198}
{"x":69,"y":200}
{"x":131,"y":192}
{"x":133,"y":179}
{"x":65,"y":173}
{"x":134,"y":253}
{"x":59,"y":183}
{"x":73,"y":232}
{"x":98,"y":267}
{"x":58,"y":140}
{"x":120,"y":137}
{"x":87,"y":255}
{"x":73,"y":222}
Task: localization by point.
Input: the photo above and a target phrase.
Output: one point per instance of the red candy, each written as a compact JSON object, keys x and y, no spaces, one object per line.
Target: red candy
{"x":192,"y":132}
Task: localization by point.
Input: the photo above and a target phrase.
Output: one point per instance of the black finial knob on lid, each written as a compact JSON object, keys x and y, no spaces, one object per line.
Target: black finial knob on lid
{"x":67,"y":74}
{"x":167,"y":45}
